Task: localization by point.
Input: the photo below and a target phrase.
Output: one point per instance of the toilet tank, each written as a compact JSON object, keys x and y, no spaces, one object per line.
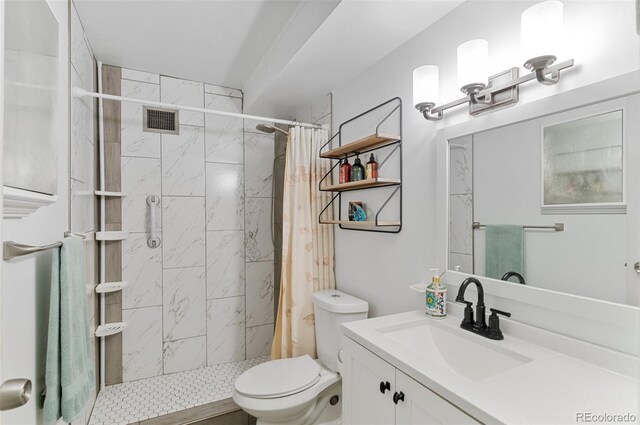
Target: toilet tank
{"x":331,"y":308}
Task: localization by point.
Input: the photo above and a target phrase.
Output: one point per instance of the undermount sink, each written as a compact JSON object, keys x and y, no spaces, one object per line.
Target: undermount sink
{"x":468,"y":355}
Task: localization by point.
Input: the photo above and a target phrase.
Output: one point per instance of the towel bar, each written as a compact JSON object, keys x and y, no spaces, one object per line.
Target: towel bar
{"x":14,"y":249}
{"x":558,"y":227}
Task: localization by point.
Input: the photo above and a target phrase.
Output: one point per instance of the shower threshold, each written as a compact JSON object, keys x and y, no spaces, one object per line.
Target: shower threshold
{"x":144,"y":400}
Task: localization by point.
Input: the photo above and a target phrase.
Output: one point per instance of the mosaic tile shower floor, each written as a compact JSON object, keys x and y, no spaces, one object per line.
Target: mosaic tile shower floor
{"x":135,"y":401}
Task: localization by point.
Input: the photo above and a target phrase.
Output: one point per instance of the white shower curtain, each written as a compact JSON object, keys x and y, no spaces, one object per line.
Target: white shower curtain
{"x":307,"y":247}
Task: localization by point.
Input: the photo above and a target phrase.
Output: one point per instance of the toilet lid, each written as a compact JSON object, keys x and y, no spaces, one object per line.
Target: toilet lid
{"x":279,"y":378}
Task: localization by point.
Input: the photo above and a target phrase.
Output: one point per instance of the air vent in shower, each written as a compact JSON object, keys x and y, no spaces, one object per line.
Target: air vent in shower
{"x":158,"y":120}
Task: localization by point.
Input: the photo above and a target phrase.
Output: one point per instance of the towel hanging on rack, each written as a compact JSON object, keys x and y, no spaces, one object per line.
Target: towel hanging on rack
{"x":69,"y":374}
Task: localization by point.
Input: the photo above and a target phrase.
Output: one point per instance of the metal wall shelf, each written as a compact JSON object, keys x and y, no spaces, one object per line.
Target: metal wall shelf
{"x":363,"y":145}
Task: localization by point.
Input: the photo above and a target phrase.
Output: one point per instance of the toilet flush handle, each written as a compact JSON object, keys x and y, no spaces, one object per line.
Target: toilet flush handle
{"x":340,"y":354}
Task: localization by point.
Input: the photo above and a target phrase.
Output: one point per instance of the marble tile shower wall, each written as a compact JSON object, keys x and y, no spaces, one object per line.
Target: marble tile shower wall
{"x":461,"y":204}
{"x":83,"y":171}
{"x":205,"y":296}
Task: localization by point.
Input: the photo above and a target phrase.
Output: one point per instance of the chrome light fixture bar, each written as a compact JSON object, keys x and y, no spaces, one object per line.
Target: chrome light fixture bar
{"x":488,"y":99}
{"x":503,"y":88}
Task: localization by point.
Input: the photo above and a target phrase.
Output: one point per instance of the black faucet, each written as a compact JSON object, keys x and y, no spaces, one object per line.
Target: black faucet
{"x":517,"y":275}
{"x":480,"y":307}
{"x":479,"y":326}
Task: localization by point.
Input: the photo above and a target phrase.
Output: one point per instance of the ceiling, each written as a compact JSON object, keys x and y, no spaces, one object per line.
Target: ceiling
{"x":265,"y":47}
{"x":218,"y":42}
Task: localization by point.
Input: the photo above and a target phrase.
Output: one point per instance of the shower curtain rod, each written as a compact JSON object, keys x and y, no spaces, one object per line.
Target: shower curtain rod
{"x":78,"y":92}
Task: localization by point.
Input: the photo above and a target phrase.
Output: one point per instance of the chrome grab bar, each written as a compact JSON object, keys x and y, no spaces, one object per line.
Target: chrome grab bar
{"x":154,"y":240}
{"x":14,"y":249}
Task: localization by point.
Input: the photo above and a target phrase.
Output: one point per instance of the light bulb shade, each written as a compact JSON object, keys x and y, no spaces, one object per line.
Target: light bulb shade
{"x":473,"y":62}
{"x":426,"y":85}
{"x":541,"y":30}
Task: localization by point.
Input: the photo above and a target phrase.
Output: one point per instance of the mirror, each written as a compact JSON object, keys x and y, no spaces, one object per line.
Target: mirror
{"x":546,"y":199}
{"x":31,"y":95}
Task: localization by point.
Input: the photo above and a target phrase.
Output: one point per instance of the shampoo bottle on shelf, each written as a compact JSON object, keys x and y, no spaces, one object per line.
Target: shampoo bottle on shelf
{"x":372,"y":168}
{"x":357,"y":170}
{"x":436,"y":298}
{"x":345,"y":171}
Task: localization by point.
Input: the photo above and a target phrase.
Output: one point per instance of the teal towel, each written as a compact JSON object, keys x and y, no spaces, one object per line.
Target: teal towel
{"x":504,"y":250}
{"x":69,"y":374}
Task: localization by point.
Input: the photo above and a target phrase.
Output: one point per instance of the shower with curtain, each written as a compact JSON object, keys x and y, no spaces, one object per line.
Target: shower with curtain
{"x":191,"y":226}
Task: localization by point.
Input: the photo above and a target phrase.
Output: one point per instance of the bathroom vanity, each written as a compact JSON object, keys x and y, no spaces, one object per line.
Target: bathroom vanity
{"x":409,"y":369}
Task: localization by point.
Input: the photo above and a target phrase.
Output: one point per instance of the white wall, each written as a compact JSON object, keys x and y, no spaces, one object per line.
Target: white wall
{"x":379,"y":268}
{"x":25,"y":281}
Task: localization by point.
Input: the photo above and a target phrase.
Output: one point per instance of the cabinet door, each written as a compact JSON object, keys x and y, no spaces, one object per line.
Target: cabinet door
{"x":421,"y":406}
{"x":363,"y":402}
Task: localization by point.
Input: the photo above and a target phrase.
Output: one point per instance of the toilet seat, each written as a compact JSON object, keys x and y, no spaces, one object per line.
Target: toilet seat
{"x":279,"y":378}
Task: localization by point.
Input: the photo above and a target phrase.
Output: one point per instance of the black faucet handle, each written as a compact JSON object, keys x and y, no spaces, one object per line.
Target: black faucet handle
{"x":494,"y":331}
{"x":468,"y":314}
{"x":495,"y":311}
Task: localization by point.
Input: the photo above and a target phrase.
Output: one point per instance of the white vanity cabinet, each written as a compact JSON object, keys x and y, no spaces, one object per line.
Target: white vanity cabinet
{"x":368,"y":400}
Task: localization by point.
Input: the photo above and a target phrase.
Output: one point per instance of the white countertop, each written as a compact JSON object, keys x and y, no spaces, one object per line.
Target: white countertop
{"x":550,"y":389}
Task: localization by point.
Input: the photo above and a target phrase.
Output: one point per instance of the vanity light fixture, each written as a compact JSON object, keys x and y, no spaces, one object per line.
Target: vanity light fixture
{"x":541,"y":33}
{"x":426,"y":90}
{"x":473,"y":62}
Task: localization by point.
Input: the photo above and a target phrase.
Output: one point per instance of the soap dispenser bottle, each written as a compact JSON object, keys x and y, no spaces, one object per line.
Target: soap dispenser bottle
{"x":345,"y":171}
{"x":372,"y":168}
{"x":357,"y":170}
{"x":436,"y":297}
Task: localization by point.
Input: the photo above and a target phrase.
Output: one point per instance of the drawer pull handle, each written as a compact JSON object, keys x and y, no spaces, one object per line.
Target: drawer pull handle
{"x":398,"y":397}
{"x":384,"y":386}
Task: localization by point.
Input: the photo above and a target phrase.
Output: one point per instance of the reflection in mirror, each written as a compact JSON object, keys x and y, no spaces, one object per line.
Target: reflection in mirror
{"x":509,"y":186}
{"x":583,"y":161}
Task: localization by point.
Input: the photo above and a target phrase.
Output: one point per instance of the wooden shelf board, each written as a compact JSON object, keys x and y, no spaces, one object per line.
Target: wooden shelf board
{"x":362,"y":184}
{"x":368,"y":223}
{"x":361,"y":145}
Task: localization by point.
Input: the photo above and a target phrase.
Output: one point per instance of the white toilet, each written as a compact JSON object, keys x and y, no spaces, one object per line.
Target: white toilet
{"x":303,"y":391}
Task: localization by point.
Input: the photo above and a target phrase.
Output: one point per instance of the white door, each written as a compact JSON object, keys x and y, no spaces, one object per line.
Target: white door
{"x":633,"y":199}
{"x":366,"y":397}
{"x":25,"y":282}
{"x":421,"y":406}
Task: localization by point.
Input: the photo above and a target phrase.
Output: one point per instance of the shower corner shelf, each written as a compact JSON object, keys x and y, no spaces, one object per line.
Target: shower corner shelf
{"x":103,"y":288}
{"x":363,"y":145}
{"x":112,"y":236}
{"x":110,"y":329}
{"x":109,"y":194}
